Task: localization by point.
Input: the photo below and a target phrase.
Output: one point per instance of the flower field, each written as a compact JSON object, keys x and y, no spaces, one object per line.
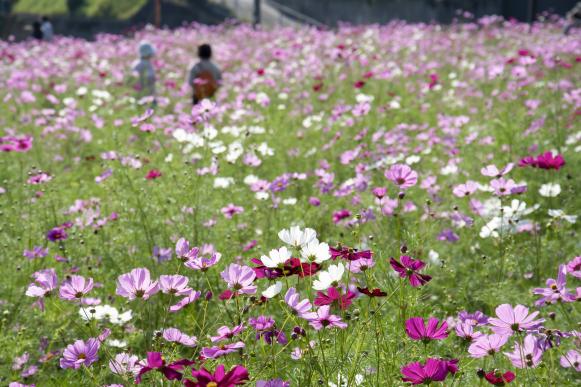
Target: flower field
{"x":366,"y":206}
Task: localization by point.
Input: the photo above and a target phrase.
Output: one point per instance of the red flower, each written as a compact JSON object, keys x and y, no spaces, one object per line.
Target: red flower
{"x":153,"y":174}
{"x":333,"y":296}
{"x":372,"y":293}
{"x":291,"y":267}
{"x":359,"y":84}
{"x":498,"y":379}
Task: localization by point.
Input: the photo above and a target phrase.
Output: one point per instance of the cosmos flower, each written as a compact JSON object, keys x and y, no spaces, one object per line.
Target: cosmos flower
{"x":402,"y":176}
{"x":527,"y":356}
{"x":510,"y":320}
{"x":409,"y":268}
{"x":174,"y":284}
{"x":335,"y":297}
{"x":574,"y":267}
{"x":276,"y":258}
{"x":230,"y":210}
{"x":329,"y":278}
{"x":497,"y":378}
{"x":466,"y":331}
{"x":550,"y":190}
{"x":80,"y":353}
{"x":465,"y":189}
{"x":75,"y":287}
{"x":493,"y":171}
{"x":433,"y":370}
{"x":556,"y":290}
{"x":417,"y":330}
{"x":301,"y":308}
{"x":125,"y":364}
{"x":314,"y":251}
{"x":176,"y":336}
{"x":217,"y":351}
{"x":571,"y":359}
{"x":136,"y":284}
{"x":225,"y":333}
{"x":238,"y":375}
{"x":239,"y":278}
{"x":324,"y":319}
{"x":487,"y":345}
{"x":155,"y":362}
{"x":45,"y":281}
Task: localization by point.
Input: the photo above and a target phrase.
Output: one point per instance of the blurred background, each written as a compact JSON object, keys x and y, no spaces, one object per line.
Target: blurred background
{"x":85,"y":18}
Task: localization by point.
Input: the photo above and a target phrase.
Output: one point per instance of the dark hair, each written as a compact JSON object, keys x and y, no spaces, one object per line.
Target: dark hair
{"x":205,"y":51}
{"x":45,"y":18}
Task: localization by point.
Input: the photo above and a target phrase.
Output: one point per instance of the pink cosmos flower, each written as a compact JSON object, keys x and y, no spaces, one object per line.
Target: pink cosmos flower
{"x":200,"y":262}
{"x":238,"y":375}
{"x":217,"y":351}
{"x":80,"y":353}
{"x":125,"y":364}
{"x":527,"y":356}
{"x":510,"y":320}
{"x":487,"y":345}
{"x":45,"y":281}
{"x":574,"y":267}
{"x":402,"y":175}
{"x":417,"y":330}
{"x":492,"y":171}
{"x":466,"y":331}
{"x":225,"y":333}
{"x":409,"y":268}
{"x":300,"y":308}
{"x":75,"y":287}
{"x":465,"y":189}
{"x":503,"y":187}
{"x":136,"y":284}
{"x":239,"y":278}
{"x":571,"y":359}
{"x":191,"y":296}
{"x":556,"y":290}
{"x":174,"y":284}
{"x":360,"y":265}
{"x":176,"y":336}
{"x":434,"y":370}
{"x":230,"y":210}
{"x":324,"y":319}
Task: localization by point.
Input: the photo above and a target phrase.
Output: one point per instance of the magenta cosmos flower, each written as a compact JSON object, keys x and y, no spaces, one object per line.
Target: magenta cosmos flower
{"x":217,"y":351}
{"x":487,"y":345}
{"x":527,"y":356}
{"x":136,"y":284}
{"x":80,"y":353}
{"x":497,"y":378}
{"x":409,"y":268}
{"x":324,"y":319}
{"x":239,"y":279}
{"x":75,"y":287}
{"x":156,"y":362}
{"x":417,"y":330}
{"x":433,"y":370}
{"x":510,"y":320}
{"x":402,"y":175}
{"x":45,"y":281}
{"x":238,"y":375}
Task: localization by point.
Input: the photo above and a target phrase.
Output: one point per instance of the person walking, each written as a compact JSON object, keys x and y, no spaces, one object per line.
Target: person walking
{"x":47,"y":30}
{"x":36,"y":30}
{"x":145,"y":71}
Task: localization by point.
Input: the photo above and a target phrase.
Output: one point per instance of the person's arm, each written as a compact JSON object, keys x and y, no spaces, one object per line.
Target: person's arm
{"x":193,"y":75}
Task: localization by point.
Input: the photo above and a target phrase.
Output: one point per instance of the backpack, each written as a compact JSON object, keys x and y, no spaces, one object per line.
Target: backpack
{"x":205,"y":85}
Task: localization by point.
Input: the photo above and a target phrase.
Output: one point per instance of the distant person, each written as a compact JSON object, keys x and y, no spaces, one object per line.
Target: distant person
{"x":145,"y":71}
{"x":205,"y":76}
{"x":46,"y":28}
{"x":573,"y":19}
{"x":36,"y":30}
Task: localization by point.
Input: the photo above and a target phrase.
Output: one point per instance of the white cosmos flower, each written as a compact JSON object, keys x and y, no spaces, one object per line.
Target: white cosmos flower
{"x":261,"y":195}
{"x":329,"y":278}
{"x":315,"y":252}
{"x":290,"y":201}
{"x":560,"y":214}
{"x":276,"y":257}
{"x":250,"y":179}
{"x":223,"y":182}
{"x":272,"y":290}
{"x":297,"y":237}
{"x":102,"y":312}
{"x":550,"y":190}
{"x":117,"y":343}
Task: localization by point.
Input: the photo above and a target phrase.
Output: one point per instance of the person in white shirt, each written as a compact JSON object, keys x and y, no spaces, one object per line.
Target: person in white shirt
{"x":46,"y":28}
{"x":144,"y":70}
